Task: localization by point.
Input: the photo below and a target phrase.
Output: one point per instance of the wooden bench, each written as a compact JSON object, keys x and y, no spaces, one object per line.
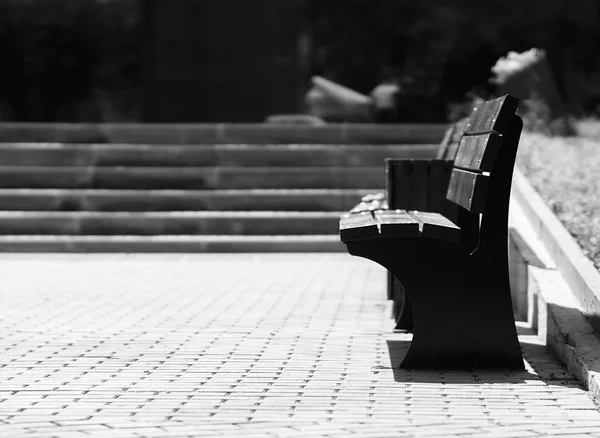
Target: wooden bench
{"x":452,"y":261}
{"x":418,"y":184}
{"x":426,"y":193}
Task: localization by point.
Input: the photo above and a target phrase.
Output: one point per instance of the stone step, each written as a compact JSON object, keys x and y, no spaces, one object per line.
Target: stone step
{"x":221,"y":133}
{"x":191,"y":177}
{"x":169,"y":223}
{"x":171,"y":244}
{"x":180,"y":200}
{"x":143,"y":155}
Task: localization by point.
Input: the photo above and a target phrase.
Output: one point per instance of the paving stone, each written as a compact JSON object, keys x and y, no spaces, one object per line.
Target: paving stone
{"x":245,"y":344}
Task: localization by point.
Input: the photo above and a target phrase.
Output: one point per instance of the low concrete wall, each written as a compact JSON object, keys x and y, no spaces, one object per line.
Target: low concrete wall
{"x":552,"y":286}
{"x":578,"y":271}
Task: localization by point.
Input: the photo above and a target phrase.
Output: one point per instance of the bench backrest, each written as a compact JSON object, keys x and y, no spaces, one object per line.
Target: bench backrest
{"x":458,"y":182}
{"x":481,"y":175}
{"x":417,"y":184}
{"x":477,"y":152}
{"x":449,"y":145}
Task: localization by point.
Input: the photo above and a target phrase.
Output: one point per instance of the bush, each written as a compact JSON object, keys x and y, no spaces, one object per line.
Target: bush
{"x":564,"y":171}
{"x":537,"y":117}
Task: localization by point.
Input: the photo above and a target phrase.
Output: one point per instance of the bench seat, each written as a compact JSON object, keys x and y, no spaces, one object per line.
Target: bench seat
{"x":398,"y":223}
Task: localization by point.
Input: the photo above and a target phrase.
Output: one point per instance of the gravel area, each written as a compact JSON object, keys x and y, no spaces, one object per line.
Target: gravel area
{"x":566,"y":173}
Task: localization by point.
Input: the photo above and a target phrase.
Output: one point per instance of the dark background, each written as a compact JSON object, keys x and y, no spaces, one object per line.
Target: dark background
{"x":241,"y":60}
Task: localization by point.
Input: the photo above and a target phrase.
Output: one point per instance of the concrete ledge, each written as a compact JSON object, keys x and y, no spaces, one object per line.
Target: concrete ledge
{"x":221,"y":133}
{"x":567,"y":332}
{"x":549,"y":284}
{"x":579,"y":273}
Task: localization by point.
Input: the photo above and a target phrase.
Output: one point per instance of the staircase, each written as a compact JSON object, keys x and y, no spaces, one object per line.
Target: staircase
{"x":190,"y":188}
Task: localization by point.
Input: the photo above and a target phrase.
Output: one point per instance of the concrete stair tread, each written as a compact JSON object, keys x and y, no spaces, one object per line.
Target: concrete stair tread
{"x":227,"y":147}
{"x":171,"y":244}
{"x":91,"y":168}
{"x":210,"y":155}
{"x":191,"y":188}
{"x":176,"y":237}
{"x":106,"y":155}
{"x":179,"y":200}
{"x":40,"y":215}
{"x":183,"y":192}
{"x":169,"y":223}
{"x":190,"y":177}
{"x":191,"y":133}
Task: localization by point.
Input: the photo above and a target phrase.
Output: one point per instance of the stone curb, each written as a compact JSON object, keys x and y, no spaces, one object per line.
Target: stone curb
{"x":554,"y":286}
{"x":566,"y":330}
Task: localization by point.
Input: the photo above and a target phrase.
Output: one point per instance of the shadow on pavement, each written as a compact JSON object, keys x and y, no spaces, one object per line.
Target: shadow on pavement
{"x":542,"y":366}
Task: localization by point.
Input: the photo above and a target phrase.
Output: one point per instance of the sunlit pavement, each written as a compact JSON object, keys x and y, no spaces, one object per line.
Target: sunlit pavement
{"x":290,"y":345}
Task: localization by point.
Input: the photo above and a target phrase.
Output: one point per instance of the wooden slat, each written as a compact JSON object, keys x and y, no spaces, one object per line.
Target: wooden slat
{"x":468,"y":189}
{"x":398,"y":178}
{"x":418,"y":195}
{"x":493,"y":115}
{"x":461,"y":125}
{"x":478,"y":152}
{"x":436,"y":226}
{"x":456,"y":137}
{"x":396,"y":223}
{"x":449,"y":145}
{"x":451,"y":151}
{"x":439,"y":176}
{"x":358,"y":226}
{"x":408,"y":183}
{"x":446,"y":142}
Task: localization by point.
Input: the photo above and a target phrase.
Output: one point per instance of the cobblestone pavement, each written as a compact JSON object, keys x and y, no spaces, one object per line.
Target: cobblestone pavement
{"x":271,"y":345}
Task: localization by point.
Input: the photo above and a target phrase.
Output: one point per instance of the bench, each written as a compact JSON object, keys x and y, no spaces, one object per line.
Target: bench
{"x":452,"y":260}
{"x":408,"y":193}
{"x":418,"y":184}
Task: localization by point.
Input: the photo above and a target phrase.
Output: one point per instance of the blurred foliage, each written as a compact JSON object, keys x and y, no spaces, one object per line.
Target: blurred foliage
{"x":79,"y":60}
{"x":564,"y":171}
{"x":537,"y":117}
{"x":447,"y":47}
{"x":65,"y":60}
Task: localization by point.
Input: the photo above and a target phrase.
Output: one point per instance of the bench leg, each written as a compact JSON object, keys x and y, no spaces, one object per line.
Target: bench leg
{"x":463,"y":316}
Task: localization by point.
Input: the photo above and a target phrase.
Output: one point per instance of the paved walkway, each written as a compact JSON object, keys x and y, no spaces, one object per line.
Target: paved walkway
{"x":272,"y":345}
